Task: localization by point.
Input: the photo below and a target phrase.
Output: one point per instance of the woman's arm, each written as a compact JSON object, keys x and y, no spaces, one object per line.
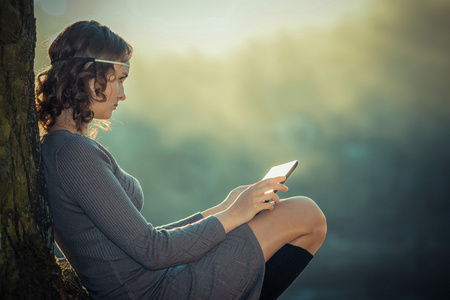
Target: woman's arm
{"x":225,"y":204}
{"x":86,"y":174}
{"x":209,"y":212}
{"x":206,"y":213}
{"x":183,"y":222}
{"x":244,"y":202}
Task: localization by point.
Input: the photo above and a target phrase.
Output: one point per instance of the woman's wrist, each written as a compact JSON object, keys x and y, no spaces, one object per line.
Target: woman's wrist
{"x":228,"y":221}
{"x":223,"y":215}
{"x":213,"y":210}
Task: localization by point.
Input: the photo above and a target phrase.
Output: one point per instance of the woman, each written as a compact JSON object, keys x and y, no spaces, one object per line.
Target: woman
{"x":244,"y":248}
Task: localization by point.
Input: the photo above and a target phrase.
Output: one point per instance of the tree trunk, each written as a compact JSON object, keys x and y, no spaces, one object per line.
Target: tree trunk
{"x":27,"y":266}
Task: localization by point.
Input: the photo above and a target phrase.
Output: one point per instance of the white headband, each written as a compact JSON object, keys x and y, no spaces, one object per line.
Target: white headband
{"x":91,"y":59}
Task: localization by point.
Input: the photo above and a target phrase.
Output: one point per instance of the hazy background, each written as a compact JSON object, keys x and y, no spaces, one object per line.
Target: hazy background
{"x":357,"y":91}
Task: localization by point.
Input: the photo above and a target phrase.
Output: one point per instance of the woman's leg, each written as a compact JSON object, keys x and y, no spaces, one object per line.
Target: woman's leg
{"x":297,"y":221}
{"x":289,"y":237}
{"x":282,"y":269}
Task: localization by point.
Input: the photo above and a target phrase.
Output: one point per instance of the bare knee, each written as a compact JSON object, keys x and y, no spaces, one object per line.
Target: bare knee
{"x":298,"y":221}
{"x":309,"y":218}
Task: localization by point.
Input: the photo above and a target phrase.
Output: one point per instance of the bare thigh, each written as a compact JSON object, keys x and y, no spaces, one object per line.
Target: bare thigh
{"x":297,"y":220}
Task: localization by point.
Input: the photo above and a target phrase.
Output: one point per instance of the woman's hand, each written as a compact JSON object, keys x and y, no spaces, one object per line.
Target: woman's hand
{"x":249,"y":201}
{"x":225,"y":204}
{"x":232,"y":196}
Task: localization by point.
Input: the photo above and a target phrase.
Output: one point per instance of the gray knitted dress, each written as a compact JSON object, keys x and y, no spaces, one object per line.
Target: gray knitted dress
{"x":98,"y":226}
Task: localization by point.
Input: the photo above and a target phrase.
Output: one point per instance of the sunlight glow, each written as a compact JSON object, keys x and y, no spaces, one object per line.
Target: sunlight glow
{"x":217,"y":26}
{"x":53,"y":7}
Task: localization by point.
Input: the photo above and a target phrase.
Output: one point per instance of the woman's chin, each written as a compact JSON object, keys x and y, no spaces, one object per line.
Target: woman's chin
{"x":102,"y":118}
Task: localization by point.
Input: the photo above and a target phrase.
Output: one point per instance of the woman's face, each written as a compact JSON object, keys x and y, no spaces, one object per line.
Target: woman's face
{"x":114,"y":93}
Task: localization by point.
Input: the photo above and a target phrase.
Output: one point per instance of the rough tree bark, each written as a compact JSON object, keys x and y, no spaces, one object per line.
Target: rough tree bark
{"x":27,"y":266}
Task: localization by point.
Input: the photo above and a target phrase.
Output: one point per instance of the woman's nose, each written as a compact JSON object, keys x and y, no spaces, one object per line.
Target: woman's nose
{"x":121,"y":95}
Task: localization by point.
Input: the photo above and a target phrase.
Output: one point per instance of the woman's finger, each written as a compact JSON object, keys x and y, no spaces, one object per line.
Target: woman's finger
{"x":267,"y":197}
{"x":273,"y":179}
{"x":266,"y":206}
{"x":272,"y":186}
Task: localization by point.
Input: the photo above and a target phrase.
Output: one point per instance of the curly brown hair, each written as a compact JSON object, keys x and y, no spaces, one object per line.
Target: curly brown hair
{"x":65,"y":84}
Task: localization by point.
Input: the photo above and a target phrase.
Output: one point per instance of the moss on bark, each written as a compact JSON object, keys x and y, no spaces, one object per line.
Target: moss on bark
{"x":28,"y":269}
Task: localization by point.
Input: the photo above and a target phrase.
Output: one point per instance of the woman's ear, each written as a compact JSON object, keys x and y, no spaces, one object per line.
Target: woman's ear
{"x":91,"y":84}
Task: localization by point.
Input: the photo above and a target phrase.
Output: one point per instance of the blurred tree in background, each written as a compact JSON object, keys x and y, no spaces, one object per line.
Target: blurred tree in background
{"x":363,"y":105}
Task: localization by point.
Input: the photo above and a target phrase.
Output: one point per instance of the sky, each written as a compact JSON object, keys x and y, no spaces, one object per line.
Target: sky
{"x":211,"y":26}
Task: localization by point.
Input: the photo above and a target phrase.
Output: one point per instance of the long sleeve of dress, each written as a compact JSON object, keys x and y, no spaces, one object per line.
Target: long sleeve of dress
{"x":87,"y":175}
{"x":186,"y":221}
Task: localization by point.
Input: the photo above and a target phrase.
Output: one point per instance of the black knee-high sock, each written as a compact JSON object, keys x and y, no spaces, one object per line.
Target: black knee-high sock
{"x":282,"y":269}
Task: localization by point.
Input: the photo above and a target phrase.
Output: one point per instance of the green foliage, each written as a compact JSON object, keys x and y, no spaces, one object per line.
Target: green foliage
{"x":361,"y":106}
{"x":364,"y":108}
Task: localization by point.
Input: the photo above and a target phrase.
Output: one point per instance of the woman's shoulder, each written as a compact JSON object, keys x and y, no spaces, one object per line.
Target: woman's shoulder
{"x":67,"y":144}
{"x":65,"y":139}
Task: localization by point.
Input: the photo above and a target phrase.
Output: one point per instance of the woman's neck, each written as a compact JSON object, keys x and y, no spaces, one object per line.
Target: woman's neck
{"x":65,"y":121}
